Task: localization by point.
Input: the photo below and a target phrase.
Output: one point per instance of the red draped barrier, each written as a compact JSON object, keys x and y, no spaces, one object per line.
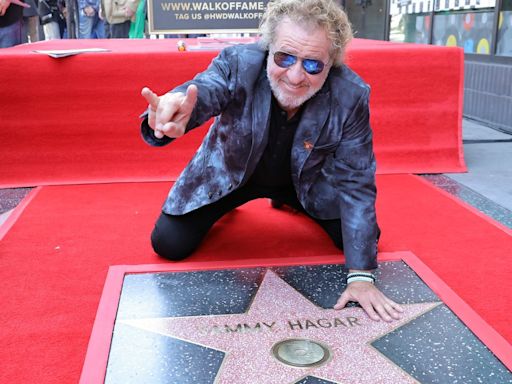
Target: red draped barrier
{"x":75,"y":119}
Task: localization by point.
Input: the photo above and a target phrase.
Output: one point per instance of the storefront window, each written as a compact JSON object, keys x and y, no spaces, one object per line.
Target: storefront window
{"x":468,"y":24}
{"x":504,"y":46}
{"x":471,"y":31}
{"x":411,"y":21}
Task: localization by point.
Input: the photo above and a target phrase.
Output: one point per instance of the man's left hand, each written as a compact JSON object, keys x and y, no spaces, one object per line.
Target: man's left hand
{"x":373,"y":301}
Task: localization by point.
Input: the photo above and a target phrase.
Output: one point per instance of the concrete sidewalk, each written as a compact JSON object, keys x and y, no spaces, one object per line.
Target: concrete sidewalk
{"x":488,"y":155}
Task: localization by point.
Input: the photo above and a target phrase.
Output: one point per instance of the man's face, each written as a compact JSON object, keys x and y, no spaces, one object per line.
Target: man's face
{"x":293,"y":86}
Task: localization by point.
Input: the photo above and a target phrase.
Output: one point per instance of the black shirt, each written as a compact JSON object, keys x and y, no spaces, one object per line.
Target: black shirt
{"x":273,"y":169}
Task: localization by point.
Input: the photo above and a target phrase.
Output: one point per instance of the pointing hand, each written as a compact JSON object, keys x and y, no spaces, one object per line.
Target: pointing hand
{"x":170,"y":113}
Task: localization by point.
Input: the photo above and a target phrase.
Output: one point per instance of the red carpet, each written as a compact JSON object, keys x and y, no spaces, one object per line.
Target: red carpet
{"x":54,"y":260}
{"x":75,"y":120}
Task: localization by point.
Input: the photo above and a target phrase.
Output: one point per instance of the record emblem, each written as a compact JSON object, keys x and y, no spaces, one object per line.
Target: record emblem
{"x":301,"y":352}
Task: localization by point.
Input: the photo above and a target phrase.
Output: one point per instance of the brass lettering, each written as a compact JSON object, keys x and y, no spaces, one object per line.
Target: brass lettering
{"x":293,"y":325}
{"x":338,"y":322}
{"x":229,"y":329}
{"x":353,"y":320}
{"x":243,"y":328}
{"x":324,"y":323}
{"x":238,"y":328}
{"x":248,"y":328}
{"x":269,"y":326}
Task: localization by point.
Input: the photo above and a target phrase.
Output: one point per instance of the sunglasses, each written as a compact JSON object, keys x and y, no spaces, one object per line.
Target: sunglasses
{"x":311,"y":66}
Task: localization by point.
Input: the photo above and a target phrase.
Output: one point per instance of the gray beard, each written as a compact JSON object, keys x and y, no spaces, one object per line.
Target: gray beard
{"x":288,"y":101}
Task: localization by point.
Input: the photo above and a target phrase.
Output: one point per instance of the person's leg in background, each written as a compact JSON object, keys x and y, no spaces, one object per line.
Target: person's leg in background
{"x":30,"y":23}
{"x":107,"y":30}
{"x":120,"y":30}
{"x":51,"y":30}
{"x":98,"y":28}
{"x":85,"y":25}
{"x":49,"y":17}
{"x":11,"y":35}
{"x":32,"y":28}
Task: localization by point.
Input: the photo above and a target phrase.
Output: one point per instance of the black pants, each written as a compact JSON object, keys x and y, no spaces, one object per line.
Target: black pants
{"x":176,"y":237}
{"x":117,"y":31}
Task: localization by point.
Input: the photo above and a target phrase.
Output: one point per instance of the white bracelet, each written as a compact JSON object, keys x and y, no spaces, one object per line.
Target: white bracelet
{"x":360,"y":278}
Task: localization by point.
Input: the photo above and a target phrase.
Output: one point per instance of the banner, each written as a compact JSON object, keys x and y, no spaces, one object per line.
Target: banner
{"x":178,"y":16}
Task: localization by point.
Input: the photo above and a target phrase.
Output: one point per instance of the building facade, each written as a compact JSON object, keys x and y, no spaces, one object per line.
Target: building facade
{"x":483,"y":28}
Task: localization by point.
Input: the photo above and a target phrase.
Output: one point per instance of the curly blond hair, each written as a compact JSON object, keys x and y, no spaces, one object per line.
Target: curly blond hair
{"x":327,"y":14}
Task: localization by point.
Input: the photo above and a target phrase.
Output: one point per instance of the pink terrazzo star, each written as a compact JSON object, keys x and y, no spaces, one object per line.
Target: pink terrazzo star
{"x":278,"y":313}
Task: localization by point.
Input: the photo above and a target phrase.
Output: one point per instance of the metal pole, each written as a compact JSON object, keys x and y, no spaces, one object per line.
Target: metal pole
{"x":432,"y":16}
{"x":495,"y":28}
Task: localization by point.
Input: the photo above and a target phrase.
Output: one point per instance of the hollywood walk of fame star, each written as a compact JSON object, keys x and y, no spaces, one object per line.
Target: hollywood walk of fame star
{"x":278,"y":313}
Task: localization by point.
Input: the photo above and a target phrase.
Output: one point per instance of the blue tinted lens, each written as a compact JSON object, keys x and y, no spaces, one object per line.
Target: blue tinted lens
{"x":285,"y":60}
{"x":312,"y":66}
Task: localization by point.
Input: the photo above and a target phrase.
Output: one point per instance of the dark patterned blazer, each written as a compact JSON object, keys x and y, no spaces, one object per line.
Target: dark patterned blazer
{"x":332,"y":160}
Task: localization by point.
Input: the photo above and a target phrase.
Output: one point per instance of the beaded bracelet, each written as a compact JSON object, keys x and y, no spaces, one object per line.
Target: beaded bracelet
{"x":361,"y":276}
